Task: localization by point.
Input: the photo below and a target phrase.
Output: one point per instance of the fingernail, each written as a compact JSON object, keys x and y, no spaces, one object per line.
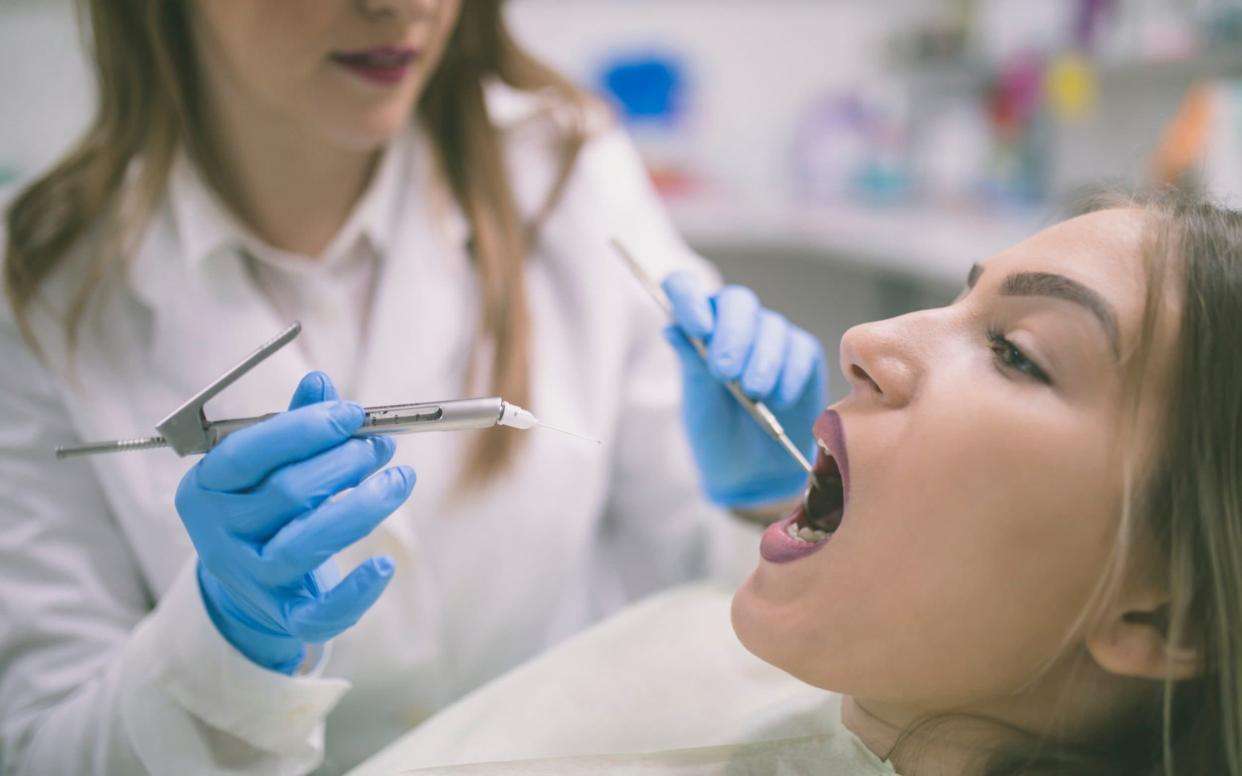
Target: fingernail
{"x":401,"y":474}
{"x":726,"y":365}
{"x":348,"y":412}
{"x":384,"y":566}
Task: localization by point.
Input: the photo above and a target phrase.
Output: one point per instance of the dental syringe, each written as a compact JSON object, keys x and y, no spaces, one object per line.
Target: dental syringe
{"x":188,"y":432}
{"x":456,"y":415}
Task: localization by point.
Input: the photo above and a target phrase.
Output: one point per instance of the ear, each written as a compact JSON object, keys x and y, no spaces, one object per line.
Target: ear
{"x":1132,"y":640}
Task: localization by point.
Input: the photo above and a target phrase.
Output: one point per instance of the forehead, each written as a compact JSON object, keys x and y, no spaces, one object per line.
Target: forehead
{"x":1104,"y":251}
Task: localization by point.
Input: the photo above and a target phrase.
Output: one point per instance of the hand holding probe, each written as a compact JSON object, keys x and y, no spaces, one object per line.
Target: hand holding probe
{"x":757,"y":410}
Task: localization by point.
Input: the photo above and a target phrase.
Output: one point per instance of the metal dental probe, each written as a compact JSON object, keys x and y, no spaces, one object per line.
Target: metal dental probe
{"x":757,"y":409}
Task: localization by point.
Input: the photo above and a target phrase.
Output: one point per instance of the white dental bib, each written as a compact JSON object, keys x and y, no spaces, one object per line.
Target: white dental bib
{"x":664,"y":687}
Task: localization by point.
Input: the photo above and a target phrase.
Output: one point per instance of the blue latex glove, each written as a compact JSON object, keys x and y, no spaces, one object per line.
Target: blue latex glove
{"x":258,"y":512}
{"x":775,"y":362}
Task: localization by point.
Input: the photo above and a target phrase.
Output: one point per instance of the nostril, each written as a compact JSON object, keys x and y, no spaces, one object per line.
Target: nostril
{"x":861,"y":375}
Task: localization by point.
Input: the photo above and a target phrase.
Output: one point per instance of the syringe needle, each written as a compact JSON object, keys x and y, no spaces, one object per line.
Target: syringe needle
{"x":569,"y":433}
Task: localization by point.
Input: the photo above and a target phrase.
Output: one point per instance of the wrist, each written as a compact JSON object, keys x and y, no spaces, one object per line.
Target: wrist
{"x":275,"y":652}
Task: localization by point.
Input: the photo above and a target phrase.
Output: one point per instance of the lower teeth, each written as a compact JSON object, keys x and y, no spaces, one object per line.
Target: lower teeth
{"x":805,"y":534}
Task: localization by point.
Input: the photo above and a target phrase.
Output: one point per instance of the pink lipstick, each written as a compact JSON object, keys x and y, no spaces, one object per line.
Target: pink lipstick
{"x":384,"y":66}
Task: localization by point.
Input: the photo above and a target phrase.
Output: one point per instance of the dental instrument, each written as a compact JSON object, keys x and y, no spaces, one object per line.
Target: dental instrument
{"x":757,"y":409}
{"x":188,"y":431}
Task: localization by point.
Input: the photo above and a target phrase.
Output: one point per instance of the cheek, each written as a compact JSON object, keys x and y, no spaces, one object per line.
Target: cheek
{"x":968,"y":550}
{"x":993,"y":540}
{"x":267,"y":48}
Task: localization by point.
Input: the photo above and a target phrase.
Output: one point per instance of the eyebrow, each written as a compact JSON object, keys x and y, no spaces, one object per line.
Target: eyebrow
{"x":1059,"y":287}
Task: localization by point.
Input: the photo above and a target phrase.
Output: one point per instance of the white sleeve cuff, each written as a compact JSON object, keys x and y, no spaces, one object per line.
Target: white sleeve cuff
{"x":214,"y":682}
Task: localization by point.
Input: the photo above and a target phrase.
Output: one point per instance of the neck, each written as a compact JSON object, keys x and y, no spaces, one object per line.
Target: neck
{"x":293,"y":188}
{"x":295,"y":196}
{"x":1072,"y":701}
{"x":937,"y":749}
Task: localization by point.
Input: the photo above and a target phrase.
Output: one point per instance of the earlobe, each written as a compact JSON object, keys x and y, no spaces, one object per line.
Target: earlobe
{"x":1135,"y":643}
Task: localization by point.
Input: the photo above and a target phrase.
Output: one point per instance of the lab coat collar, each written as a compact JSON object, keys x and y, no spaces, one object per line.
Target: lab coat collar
{"x":207,"y":228}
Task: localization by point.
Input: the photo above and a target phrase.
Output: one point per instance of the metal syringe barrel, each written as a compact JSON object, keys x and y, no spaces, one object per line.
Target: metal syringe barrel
{"x":455,"y":415}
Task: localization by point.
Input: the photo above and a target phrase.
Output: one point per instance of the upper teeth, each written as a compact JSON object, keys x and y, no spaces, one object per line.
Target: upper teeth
{"x":823,"y":447}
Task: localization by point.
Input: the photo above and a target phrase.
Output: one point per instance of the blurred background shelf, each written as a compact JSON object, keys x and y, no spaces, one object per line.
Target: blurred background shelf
{"x":848,"y":159}
{"x":926,"y":243}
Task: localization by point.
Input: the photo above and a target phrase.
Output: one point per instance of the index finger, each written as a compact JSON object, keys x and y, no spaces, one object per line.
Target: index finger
{"x":244,"y":458}
{"x":691,"y":308}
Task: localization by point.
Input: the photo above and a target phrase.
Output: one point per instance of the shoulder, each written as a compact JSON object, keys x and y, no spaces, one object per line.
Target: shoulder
{"x":545,"y":114}
{"x":607,"y":192}
{"x":541,"y":130}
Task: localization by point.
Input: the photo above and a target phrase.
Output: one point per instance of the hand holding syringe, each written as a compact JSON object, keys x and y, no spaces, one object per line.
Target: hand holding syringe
{"x":269,"y":510}
{"x":187,"y":430}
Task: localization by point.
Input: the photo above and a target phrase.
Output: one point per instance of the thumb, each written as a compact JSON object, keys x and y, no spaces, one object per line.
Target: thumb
{"x":703,"y":395}
{"x":692,"y":365}
{"x":314,"y":388}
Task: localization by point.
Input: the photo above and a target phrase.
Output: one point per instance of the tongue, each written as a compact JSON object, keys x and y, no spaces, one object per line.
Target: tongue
{"x":823,"y":506}
{"x":830,"y":522}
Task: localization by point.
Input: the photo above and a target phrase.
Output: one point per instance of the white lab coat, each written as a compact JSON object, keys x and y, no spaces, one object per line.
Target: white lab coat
{"x":108,"y":661}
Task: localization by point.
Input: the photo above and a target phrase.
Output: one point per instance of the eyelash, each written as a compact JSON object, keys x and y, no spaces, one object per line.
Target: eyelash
{"x":1010,"y":356}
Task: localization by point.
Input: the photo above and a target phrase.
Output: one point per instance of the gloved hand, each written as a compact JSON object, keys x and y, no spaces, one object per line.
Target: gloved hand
{"x":775,"y":362}
{"x":258,"y":512}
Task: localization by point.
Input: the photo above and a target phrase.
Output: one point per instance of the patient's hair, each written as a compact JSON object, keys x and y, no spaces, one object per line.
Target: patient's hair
{"x":1184,"y":491}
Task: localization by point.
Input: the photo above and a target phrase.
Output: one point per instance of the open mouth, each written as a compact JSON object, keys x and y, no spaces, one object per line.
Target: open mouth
{"x":808,"y":528}
{"x":823,"y":504}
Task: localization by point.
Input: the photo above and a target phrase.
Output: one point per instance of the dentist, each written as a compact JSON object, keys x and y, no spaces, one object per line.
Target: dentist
{"x":435,"y":206}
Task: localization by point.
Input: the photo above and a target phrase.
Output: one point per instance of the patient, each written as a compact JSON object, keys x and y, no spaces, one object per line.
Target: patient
{"x":1032,"y":560}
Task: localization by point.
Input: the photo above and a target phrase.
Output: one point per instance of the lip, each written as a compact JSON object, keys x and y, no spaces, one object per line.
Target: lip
{"x":829,"y":432}
{"x":384,"y":65}
{"x":776,"y":546}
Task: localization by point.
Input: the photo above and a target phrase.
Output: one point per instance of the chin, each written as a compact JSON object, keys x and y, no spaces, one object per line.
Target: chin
{"x":755,"y":625}
{"x":369,"y":138}
{"x":764,"y":630}
{"x":372,"y":130}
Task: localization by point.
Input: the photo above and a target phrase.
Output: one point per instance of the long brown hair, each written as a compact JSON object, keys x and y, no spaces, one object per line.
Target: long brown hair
{"x":147,"y":111}
{"x":1187,"y":498}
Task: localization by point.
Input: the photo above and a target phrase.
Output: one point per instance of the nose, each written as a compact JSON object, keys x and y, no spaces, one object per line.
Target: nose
{"x":883,"y":360}
{"x":399,"y":9}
